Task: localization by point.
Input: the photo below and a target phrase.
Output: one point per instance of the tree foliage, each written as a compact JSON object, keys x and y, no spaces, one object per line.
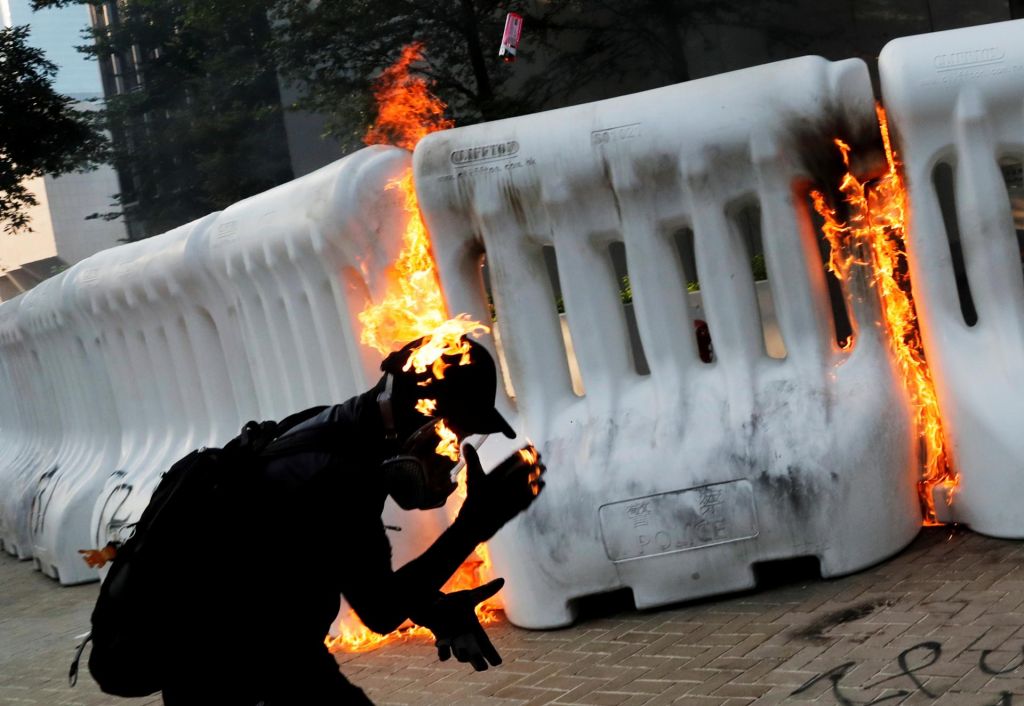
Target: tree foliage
{"x":610,"y":47}
{"x":572,"y":50}
{"x":42,"y":132}
{"x":197,"y":118}
{"x":333,"y":50}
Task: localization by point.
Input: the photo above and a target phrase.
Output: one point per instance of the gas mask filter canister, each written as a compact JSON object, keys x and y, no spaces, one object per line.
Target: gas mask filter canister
{"x":418,"y":478}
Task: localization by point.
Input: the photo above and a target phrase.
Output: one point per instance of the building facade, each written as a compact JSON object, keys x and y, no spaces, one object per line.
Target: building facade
{"x":61,"y":232}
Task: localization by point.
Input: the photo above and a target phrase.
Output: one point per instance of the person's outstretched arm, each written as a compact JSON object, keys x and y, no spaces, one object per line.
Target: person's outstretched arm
{"x":383,"y":599}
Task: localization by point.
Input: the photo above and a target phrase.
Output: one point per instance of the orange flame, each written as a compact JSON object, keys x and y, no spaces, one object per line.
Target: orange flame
{"x":449,"y":444}
{"x":476,"y":569}
{"x":876,"y":228}
{"x":353,"y":636}
{"x":530,"y":455}
{"x":448,"y":339}
{"x":426,"y":407}
{"x":413,"y":307}
{"x":407,"y":110}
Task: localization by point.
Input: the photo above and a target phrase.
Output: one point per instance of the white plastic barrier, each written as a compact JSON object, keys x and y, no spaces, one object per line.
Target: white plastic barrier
{"x":297,"y":264}
{"x":247,"y":314}
{"x":289,"y":259}
{"x":140,"y":353}
{"x":40,"y":428}
{"x":676,"y":483}
{"x":133,"y":297}
{"x":64,"y":493}
{"x":957,"y":98}
{"x":9,"y":437}
{"x":15,"y":436}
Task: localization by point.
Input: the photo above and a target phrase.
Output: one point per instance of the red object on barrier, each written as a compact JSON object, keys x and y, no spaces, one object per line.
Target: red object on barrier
{"x":704,"y":347}
{"x":510,"y":38}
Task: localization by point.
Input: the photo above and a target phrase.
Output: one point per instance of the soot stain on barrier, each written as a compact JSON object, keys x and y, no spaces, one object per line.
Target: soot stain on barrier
{"x":755,"y":422}
{"x":658,"y":173}
{"x":606,"y":169}
{"x":813,"y":141}
{"x":794,"y":487}
{"x":815,"y":632}
{"x":523,"y":197}
{"x":515,"y":201}
{"x":551,"y":531}
{"x":555,"y":530}
{"x":466,"y":194}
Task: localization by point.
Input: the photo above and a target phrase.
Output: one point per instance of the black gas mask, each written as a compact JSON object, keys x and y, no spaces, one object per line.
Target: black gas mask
{"x":417,"y":477}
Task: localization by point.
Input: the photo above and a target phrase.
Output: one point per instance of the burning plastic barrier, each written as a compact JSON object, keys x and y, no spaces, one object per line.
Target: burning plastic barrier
{"x":89,"y":443}
{"x":672,"y":460}
{"x":674,"y":484}
{"x":954,"y":101}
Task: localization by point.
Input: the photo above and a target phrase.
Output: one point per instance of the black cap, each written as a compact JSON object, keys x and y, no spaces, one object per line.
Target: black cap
{"x":465,"y":395}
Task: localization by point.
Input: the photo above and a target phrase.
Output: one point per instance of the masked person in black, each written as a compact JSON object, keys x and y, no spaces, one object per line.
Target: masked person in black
{"x":314,"y":532}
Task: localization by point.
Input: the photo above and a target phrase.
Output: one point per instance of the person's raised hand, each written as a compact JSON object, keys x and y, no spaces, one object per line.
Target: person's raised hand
{"x":492,"y":499}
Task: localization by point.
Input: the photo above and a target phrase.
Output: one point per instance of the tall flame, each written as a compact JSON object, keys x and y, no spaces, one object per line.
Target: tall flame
{"x":413,"y":307}
{"x":874,"y":235}
{"x":406,"y":109}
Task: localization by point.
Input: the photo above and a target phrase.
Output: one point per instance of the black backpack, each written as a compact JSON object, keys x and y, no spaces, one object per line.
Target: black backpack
{"x":197,"y":497}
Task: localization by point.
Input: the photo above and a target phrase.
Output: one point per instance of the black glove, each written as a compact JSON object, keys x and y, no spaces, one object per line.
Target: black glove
{"x":494,"y":498}
{"x":453,"y":621}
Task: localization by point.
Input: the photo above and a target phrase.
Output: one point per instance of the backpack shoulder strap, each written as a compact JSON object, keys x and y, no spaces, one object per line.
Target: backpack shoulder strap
{"x":306,"y":439}
{"x":255,"y":436}
{"x":315,"y":432}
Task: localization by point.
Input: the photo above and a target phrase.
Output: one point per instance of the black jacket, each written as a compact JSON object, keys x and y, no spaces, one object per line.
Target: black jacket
{"x":307,"y":532}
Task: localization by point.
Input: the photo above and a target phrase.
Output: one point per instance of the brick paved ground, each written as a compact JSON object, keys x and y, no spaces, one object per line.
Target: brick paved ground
{"x":942,"y":623}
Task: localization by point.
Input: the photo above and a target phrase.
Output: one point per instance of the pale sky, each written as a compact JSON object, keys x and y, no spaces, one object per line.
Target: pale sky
{"x":58,"y":32}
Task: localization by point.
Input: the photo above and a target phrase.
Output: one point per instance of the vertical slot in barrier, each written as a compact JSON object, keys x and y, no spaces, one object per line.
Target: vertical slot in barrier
{"x":551,"y":265}
{"x":747,"y":220}
{"x":684,"y":242}
{"x":1013,"y":176}
{"x":506,"y":377}
{"x":943,"y":181}
{"x":841,"y":321}
{"x":617,"y":252}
